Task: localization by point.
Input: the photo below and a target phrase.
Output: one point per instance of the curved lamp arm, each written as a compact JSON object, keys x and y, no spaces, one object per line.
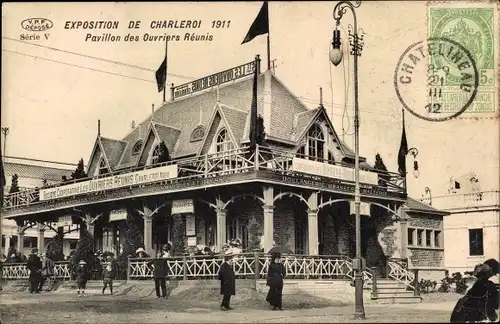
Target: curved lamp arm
{"x":341,"y":8}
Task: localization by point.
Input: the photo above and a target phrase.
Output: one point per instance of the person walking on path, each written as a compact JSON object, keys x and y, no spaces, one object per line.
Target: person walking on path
{"x":34,"y":265}
{"x":275,"y":276}
{"x":82,"y":276}
{"x":481,"y":301}
{"x":108,"y":274}
{"x":47,"y":271}
{"x":160,"y":273}
{"x":227,"y":281}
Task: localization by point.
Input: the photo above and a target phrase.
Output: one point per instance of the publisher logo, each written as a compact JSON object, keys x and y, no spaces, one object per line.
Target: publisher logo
{"x":36,"y":24}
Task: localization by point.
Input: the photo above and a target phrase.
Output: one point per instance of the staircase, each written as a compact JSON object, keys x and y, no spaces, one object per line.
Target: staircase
{"x":390,"y":291}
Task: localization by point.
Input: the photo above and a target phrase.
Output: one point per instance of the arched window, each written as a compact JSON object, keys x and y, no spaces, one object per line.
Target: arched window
{"x":156,"y":154}
{"x":137,"y":147}
{"x":198,"y":133}
{"x":103,"y":168}
{"x":316,"y":141}
{"x":331,"y":159}
{"x":223,"y":142}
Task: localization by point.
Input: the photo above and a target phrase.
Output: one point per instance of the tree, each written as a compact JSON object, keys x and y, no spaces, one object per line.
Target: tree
{"x":79,"y":173}
{"x":133,"y":236}
{"x":178,"y":231}
{"x":254,"y":234}
{"x":85,"y":250}
{"x":383,"y":175}
{"x":14,"y":187}
{"x":164,"y":154}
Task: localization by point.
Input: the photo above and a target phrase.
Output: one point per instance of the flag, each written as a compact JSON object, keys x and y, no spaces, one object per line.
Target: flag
{"x":161,"y":75}
{"x":403,"y":150}
{"x":260,"y":24}
{"x":253,"y":110}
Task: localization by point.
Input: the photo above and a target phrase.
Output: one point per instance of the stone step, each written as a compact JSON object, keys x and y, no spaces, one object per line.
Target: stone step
{"x":398,"y":300}
{"x":395,"y":293}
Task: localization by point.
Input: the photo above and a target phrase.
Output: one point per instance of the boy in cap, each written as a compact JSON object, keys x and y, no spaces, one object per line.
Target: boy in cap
{"x":82,"y":276}
{"x":108,"y":274}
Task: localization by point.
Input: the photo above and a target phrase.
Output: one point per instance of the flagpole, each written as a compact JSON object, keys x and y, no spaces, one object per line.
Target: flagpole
{"x":166,"y":66}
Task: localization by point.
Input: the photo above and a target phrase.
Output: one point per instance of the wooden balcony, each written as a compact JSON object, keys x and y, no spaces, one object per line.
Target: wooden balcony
{"x":263,"y":165}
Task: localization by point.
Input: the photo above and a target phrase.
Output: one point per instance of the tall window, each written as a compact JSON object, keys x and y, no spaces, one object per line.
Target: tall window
{"x":411,"y":232}
{"x":223,"y":142}
{"x":437,"y":238}
{"x":137,"y":147}
{"x":301,"y":152}
{"x":316,"y":141}
{"x":156,"y":154}
{"x":476,"y":241}
{"x":103,"y":168}
{"x":420,"y":237}
{"x":428,"y":238}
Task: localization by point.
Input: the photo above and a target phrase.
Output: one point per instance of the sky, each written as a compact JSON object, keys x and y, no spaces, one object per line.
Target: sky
{"x":51,"y":100}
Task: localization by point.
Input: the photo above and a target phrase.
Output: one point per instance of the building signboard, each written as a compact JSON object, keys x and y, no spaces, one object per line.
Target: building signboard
{"x":332,"y":171}
{"x":118,"y":214}
{"x":64,"y":221}
{"x":182,"y":206}
{"x":364,"y":208}
{"x":111,"y":182}
{"x":190,"y":225}
{"x":214,"y":80}
{"x":191,"y":241}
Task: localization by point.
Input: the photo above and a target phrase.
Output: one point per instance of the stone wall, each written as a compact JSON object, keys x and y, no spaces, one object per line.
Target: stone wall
{"x":426,"y":258}
{"x":425,"y":221}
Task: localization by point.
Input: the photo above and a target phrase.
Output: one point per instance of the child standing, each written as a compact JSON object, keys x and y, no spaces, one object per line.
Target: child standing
{"x":108,"y":274}
{"x":82,"y":275}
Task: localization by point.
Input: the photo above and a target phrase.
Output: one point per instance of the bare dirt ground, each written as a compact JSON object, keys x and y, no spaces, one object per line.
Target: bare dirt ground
{"x":137,"y":304}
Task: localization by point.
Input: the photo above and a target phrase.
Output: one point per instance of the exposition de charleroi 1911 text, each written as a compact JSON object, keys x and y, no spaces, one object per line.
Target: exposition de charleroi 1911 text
{"x":147,"y":37}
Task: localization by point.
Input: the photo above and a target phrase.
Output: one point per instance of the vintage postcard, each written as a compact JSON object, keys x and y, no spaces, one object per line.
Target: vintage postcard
{"x":259,"y":161}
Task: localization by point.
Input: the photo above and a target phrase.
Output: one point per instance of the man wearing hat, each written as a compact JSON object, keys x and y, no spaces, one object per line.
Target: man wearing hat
{"x":227,"y":281}
{"x":34,"y":265}
{"x":82,"y":276}
{"x":47,"y":271}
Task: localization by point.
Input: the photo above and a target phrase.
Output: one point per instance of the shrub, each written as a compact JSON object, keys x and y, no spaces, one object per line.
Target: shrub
{"x":427,"y":286}
{"x":460,"y":283}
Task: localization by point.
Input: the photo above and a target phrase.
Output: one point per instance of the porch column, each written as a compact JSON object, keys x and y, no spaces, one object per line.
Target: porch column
{"x":221,"y":228}
{"x":40,"y":239}
{"x":268,"y":218}
{"x":148,"y":230}
{"x":312,"y":228}
{"x":7,"y":244}
{"x":20,"y":239}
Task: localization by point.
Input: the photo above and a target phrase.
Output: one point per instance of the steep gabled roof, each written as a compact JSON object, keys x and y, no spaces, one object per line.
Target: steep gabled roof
{"x":35,"y":172}
{"x":168,"y":134}
{"x":209,"y":134}
{"x":235,"y":119}
{"x":113,"y":150}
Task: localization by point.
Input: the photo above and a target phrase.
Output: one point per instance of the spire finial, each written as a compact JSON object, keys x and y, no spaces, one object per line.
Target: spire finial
{"x":152,"y":111}
{"x":320,"y":96}
{"x":98,"y":127}
{"x":218,"y":97}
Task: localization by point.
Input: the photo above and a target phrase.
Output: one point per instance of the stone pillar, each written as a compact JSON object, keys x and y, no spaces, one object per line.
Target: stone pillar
{"x":268,"y":194}
{"x":7,"y":244}
{"x":148,"y":230}
{"x":403,"y":226}
{"x":40,"y":239}
{"x":312,"y":224}
{"x":312,"y":229}
{"x":220,"y":236}
{"x":268,"y":227}
{"x":20,"y":239}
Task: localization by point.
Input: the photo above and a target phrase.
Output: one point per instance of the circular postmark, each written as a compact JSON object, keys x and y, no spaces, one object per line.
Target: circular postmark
{"x":422,"y":75}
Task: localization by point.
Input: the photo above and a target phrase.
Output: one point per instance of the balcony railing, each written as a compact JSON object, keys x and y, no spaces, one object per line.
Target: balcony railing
{"x":214,"y":165}
{"x":481,"y":199}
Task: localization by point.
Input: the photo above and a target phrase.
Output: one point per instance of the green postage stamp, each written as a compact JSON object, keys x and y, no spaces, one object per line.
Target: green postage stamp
{"x":474,"y":25}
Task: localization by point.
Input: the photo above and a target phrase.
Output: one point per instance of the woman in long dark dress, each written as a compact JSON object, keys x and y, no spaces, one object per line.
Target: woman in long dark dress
{"x":275,"y":275}
{"x":481,"y":301}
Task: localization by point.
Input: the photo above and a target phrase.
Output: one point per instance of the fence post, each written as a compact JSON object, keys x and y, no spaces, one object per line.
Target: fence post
{"x":374,"y":283}
{"x":416,"y":290}
{"x":128,"y":269}
{"x":184,"y":267}
{"x":256,"y":158}
{"x":257,"y":267}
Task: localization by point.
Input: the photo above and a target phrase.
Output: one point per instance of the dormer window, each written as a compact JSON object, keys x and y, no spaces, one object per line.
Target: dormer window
{"x":156,"y":154}
{"x":223,"y":142}
{"x":103,"y":167}
{"x":198,"y":133}
{"x":316,"y":143}
{"x":137,"y":147}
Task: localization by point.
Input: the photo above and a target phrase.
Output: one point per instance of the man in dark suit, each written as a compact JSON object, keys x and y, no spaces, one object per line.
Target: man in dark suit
{"x":160,"y":274}
{"x":227,"y":281}
{"x":34,"y":265}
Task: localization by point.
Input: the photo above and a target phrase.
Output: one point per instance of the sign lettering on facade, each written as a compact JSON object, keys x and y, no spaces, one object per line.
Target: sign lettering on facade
{"x":117,"y":215}
{"x":182,"y":206}
{"x":190,"y":225}
{"x":192,"y":241}
{"x":332,"y":171}
{"x":64,"y":221}
{"x":214,"y":80}
{"x":364,"y":208}
{"x":112,"y":182}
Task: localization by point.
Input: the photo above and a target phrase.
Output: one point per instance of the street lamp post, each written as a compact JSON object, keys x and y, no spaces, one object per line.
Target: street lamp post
{"x":336,"y":57}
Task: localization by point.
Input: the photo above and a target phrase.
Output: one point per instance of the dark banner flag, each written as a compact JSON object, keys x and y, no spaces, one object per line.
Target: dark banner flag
{"x":403,"y":150}
{"x":260,"y":24}
{"x":161,"y":75}
{"x":253,"y":109}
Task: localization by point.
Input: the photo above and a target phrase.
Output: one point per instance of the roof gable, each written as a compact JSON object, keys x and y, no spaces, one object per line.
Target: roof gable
{"x":217,"y":118}
{"x":97,"y":152}
{"x":147,"y":145}
{"x":113,"y":149}
{"x":235,"y":120}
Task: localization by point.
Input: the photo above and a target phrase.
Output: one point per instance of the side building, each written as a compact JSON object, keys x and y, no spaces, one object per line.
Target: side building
{"x":33,"y":174}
